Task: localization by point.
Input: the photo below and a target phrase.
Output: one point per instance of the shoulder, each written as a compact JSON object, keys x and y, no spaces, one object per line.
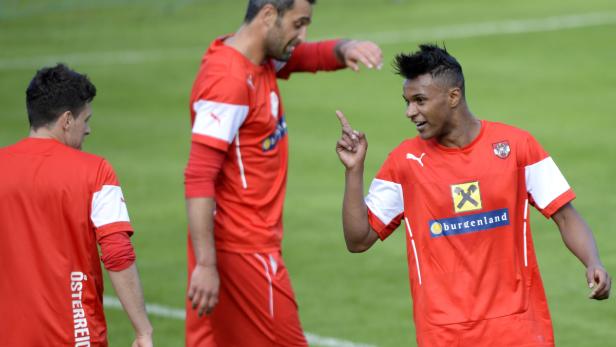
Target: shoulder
{"x":406,"y":146}
{"x":221,"y":60}
{"x":521,"y":142}
{"x":501,"y":129}
{"x":85,"y":159}
{"x":223,"y":77}
{"x":415,"y":144}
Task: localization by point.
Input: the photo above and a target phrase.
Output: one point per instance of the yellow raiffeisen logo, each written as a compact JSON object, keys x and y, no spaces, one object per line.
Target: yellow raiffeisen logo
{"x":466,"y":196}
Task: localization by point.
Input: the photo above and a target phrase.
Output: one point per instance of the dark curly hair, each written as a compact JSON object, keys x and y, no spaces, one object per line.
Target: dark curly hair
{"x":433,"y":60}
{"x":55,"y":90}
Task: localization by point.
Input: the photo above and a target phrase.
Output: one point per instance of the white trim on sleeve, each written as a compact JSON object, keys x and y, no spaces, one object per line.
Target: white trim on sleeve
{"x":545,"y":182}
{"x":385,"y":200}
{"x":108,"y":206}
{"x":217,"y":119}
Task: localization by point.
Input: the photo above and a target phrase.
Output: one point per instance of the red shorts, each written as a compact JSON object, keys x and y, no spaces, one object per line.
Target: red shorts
{"x":256,"y":305}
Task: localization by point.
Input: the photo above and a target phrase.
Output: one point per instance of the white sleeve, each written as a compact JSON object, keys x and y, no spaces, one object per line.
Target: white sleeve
{"x":108,"y":206}
{"x":545,"y":182}
{"x":218,"y":120}
{"x":385,"y":200}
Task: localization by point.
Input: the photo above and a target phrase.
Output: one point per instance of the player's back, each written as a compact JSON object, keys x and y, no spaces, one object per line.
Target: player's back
{"x":49,"y":261}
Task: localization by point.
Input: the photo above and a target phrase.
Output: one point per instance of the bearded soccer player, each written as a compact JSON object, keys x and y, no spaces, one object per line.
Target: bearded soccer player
{"x":56,"y":204}
{"x":236,"y":175}
{"x":463,"y":189}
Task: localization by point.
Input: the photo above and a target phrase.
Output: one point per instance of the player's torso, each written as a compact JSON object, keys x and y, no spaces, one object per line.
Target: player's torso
{"x":251,"y":187}
{"x":49,"y":250}
{"x":465,"y":211}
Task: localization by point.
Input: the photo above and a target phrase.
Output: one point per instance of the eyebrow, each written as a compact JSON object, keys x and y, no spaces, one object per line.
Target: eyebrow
{"x":304,"y":20}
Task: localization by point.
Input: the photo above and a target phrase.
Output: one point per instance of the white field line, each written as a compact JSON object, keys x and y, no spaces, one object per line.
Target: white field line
{"x":458,"y":31}
{"x":175,"y":313}
{"x":504,"y":27}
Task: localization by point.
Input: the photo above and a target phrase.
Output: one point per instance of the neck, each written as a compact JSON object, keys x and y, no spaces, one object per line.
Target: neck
{"x":464,"y":129}
{"x":249,"y":41}
{"x":44,"y":133}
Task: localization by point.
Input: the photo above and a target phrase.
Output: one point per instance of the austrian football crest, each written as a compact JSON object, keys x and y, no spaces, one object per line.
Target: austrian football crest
{"x":501,"y":149}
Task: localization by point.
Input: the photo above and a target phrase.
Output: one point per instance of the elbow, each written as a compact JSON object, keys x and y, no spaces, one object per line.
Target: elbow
{"x":356,"y":247}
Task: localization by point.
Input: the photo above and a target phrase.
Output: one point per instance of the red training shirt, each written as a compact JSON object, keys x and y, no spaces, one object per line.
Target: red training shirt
{"x":473,"y":273}
{"x":54,"y":203}
{"x":236,"y":108}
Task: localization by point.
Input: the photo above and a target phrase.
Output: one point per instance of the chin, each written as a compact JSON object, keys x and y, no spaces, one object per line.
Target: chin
{"x":425,"y":135}
{"x":284,"y":56}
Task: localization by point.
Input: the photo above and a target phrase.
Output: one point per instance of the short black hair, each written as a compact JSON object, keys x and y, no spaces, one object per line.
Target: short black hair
{"x":55,"y":90}
{"x":433,"y":60}
{"x":282,"y":6}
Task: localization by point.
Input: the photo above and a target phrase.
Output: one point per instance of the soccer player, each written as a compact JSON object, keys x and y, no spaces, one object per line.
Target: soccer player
{"x":236,"y":175}
{"x":56,"y":204}
{"x":463,"y":189}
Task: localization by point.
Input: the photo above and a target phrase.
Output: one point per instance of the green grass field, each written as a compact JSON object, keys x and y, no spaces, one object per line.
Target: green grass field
{"x":553,"y":75}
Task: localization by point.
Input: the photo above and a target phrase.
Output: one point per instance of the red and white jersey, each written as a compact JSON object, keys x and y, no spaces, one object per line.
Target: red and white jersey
{"x":470,"y":252}
{"x":54,"y":202}
{"x":236,"y":108}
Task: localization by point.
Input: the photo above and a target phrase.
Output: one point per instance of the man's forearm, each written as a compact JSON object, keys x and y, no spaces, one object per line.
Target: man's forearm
{"x":201,"y":225}
{"x":128,"y":288}
{"x":577,"y":236}
{"x":357,"y":233}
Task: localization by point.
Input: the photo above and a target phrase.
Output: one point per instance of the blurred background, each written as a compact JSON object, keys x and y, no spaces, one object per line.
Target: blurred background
{"x":543,"y":65}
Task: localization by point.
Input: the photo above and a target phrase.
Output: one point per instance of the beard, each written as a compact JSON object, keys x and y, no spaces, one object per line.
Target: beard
{"x":287,"y":52}
{"x":276,"y":48}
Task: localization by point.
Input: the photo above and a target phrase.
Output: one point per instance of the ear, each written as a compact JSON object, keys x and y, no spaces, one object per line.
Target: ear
{"x":268,"y":15}
{"x":65,"y":120}
{"x":455,"y":97}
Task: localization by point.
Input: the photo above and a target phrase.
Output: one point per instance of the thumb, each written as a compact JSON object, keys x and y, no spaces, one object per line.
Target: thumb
{"x":352,"y":64}
{"x":590,"y":277}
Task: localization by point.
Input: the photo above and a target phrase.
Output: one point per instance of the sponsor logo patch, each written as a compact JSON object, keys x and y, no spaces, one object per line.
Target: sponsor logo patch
{"x":469,"y":223}
{"x":271,"y":141}
{"x":466,"y":197}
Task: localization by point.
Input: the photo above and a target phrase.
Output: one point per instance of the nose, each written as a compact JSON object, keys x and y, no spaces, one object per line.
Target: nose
{"x":87,"y":132}
{"x":302,"y":34}
{"x":411,"y":110}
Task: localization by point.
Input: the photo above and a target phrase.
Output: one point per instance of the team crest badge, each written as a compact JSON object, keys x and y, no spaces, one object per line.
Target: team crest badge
{"x":466,"y":197}
{"x":501,"y":149}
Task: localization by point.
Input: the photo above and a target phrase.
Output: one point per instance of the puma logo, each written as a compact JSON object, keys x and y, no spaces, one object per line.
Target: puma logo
{"x":215,"y":117}
{"x":250,"y":83}
{"x":413,"y":157}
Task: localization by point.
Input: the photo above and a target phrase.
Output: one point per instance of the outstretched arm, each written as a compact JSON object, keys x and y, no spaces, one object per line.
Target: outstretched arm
{"x":351,"y":149}
{"x":128,"y":288}
{"x":331,"y":55}
{"x":579,"y":239}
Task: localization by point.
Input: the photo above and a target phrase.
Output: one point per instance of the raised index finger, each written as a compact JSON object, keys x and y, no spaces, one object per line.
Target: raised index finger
{"x":343,"y":121}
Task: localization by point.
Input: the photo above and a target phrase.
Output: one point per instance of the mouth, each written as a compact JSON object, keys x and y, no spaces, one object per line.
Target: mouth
{"x":291,"y":48}
{"x":421,"y":125}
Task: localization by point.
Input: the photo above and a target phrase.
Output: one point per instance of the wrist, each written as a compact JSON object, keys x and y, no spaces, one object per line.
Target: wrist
{"x":145,"y":331}
{"x":210,"y":265}
{"x":339,"y":49}
{"x":595,"y":264}
{"x":355,"y":170}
